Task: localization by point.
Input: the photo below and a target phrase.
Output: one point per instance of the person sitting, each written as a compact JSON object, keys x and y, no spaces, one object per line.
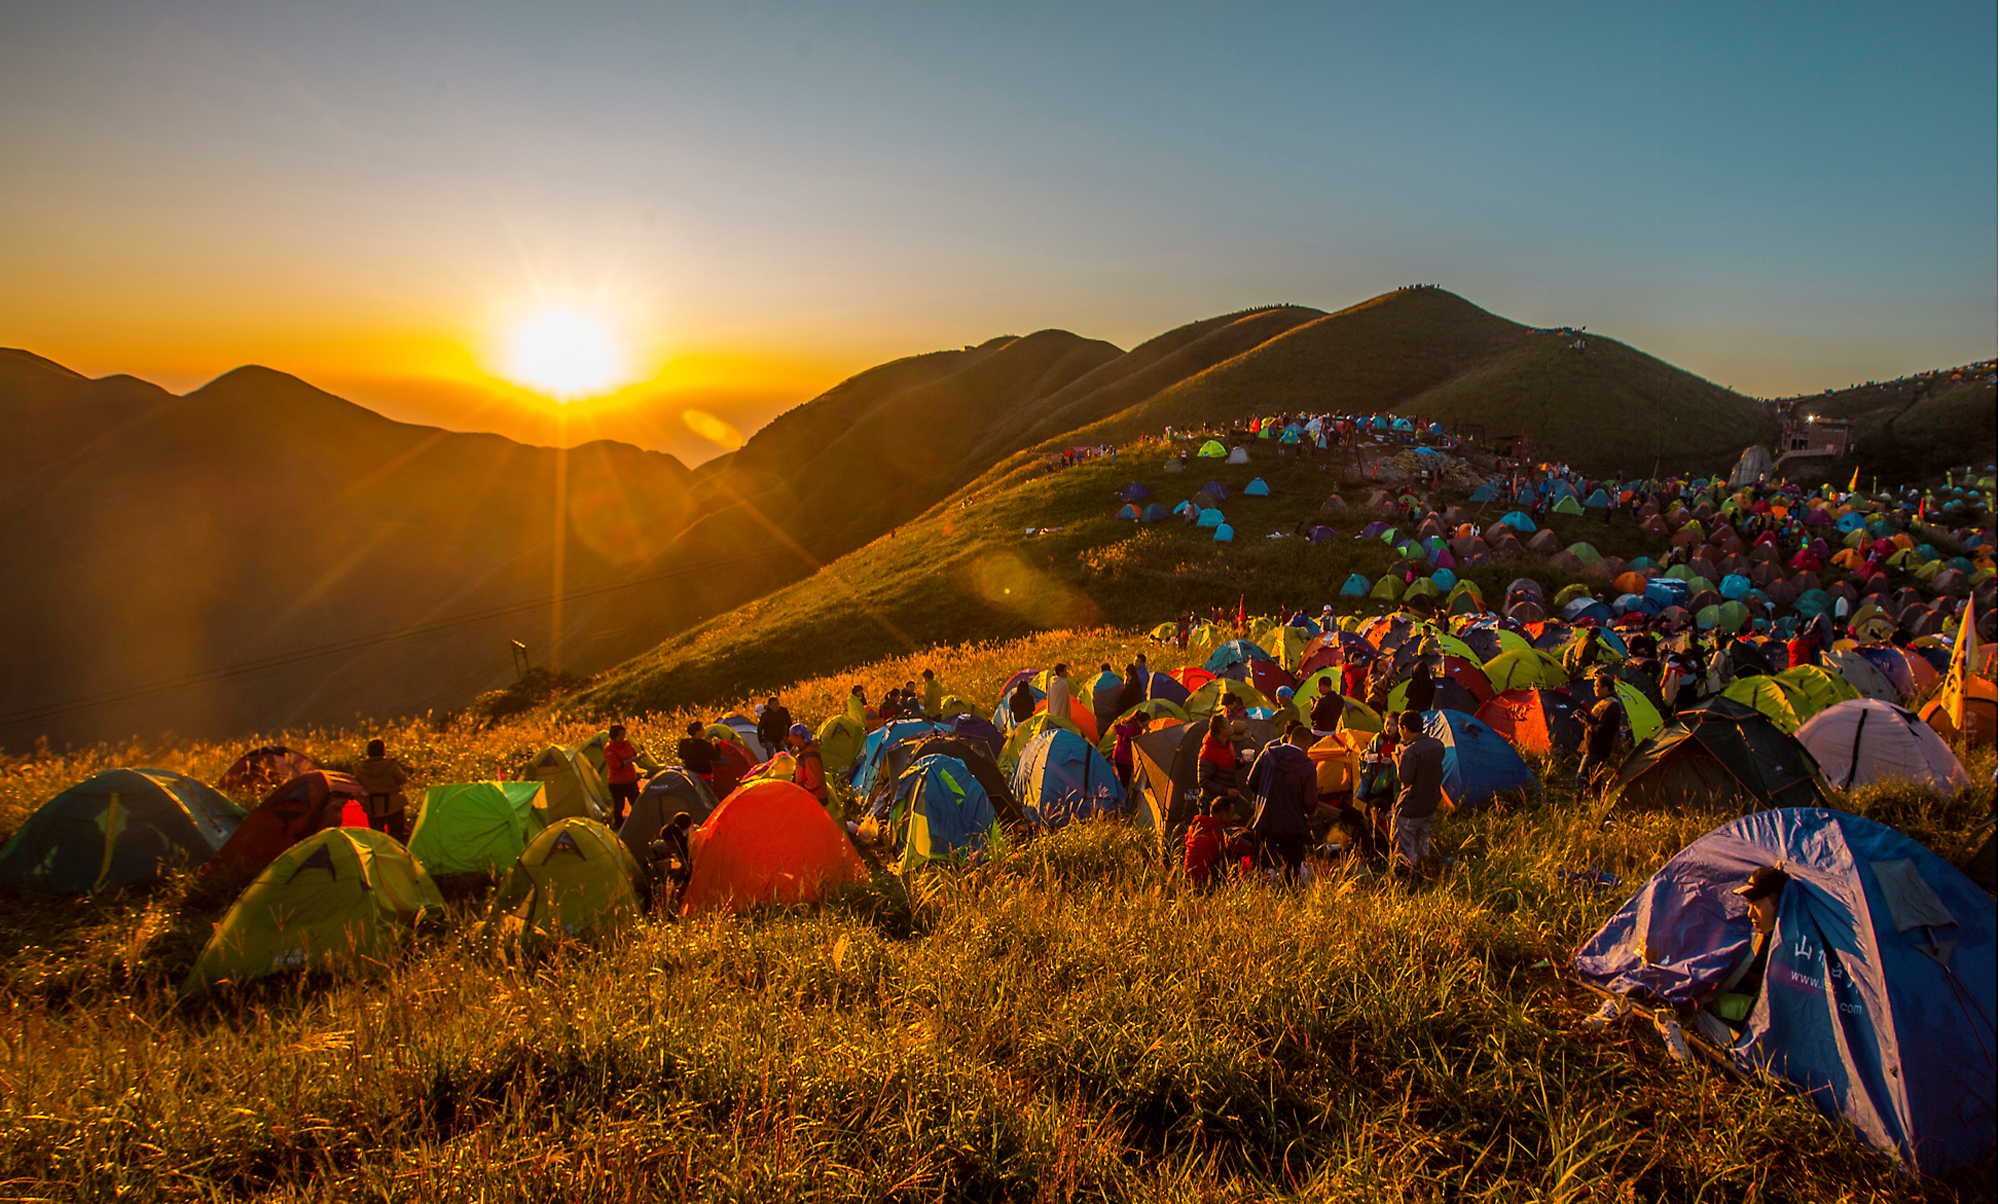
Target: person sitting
{"x":1726,"y":1012}
{"x":808,"y":767}
{"x":1209,"y":849}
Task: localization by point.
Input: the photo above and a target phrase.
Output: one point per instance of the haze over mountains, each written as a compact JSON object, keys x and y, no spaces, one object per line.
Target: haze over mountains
{"x":179,"y":539}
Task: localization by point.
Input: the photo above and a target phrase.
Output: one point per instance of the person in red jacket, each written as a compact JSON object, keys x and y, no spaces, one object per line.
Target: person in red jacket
{"x":809,"y":768}
{"x":621,"y":772}
{"x":1218,"y":757}
{"x":1209,"y":849}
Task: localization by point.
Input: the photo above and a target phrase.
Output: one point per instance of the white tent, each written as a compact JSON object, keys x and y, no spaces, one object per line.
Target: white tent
{"x":1238,"y":456}
{"x":1861,"y":673}
{"x":1865,"y":741}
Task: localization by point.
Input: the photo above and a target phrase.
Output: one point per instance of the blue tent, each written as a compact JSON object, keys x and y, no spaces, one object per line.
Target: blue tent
{"x":1356,"y":586}
{"x":1598,"y":500}
{"x":1168,"y":689}
{"x":1579,"y":610}
{"x":1153,"y":513}
{"x":1061,"y":778}
{"x":1402,"y":424}
{"x":1667,"y":591}
{"x":1849,"y":522}
{"x":1224,"y":533}
{"x":1216,"y":490}
{"x":1236,"y":652}
{"x":947,"y":811}
{"x":1129,"y":514}
{"x":861,"y":775}
{"x":1257,"y":488}
{"x":1135,"y":492}
{"x":1735,"y":586}
{"x":1518,"y":521}
{"x":1209,"y":518}
{"x":1444,"y":579}
{"x":1320,"y":534}
{"x":1879,"y":993}
{"x":1485,"y":493}
{"x":973,"y":728}
{"x":1478,"y":761}
{"x":1381,"y":423}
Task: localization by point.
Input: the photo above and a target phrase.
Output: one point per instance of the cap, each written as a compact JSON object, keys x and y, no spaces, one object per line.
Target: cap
{"x":801,"y":731}
{"x":1284,"y":692}
{"x":1767,"y":881}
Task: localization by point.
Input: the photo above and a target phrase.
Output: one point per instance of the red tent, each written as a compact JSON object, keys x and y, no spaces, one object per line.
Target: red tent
{"x":769,"y":842}
{"x":308,"y":803}
{"x":263,"y":768}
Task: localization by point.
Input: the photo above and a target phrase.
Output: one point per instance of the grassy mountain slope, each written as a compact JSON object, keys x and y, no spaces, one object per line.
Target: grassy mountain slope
{"x":1430,"y":353}
{"x":168,"y":536}
{"x":1919,"y":425}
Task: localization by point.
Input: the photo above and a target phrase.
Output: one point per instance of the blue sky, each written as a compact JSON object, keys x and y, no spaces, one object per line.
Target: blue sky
{"x":771,"y":196}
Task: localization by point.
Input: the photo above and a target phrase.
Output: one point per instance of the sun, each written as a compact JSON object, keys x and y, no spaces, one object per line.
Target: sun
{"x":565,"y":354}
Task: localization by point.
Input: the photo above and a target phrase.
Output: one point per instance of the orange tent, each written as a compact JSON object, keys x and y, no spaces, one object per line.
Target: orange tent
{"x":769,"y":842}
{"x":1540,"y":721}
{"x":1079,"y":714}
{"x":1191,"y":678}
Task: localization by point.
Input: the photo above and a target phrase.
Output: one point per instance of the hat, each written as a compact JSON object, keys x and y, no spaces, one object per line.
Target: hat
{"x":1284,"y":692}
{"x":801,"y":731}
{"x":1766,"y":882}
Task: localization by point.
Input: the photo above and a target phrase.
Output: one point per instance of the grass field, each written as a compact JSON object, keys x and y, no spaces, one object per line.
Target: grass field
{"x":1066,"y":1023}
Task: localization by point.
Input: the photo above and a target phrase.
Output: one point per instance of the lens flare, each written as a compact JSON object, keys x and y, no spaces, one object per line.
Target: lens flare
{"x":713,"y":429}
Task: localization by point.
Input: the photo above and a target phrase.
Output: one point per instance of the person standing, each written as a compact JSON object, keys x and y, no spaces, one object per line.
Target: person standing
{"x":1126,"y":730}
{"x":1021,"y":704}
{"x":772,"y":726}
{"x":1058,"y":693}
{"x":857,"y":707}
{"x":1420,"y":788}
{"x":696,"y":754}
{"x":621,"y":773}
{"x":382,"y":778}
{"x":1603,"y":728}
{"x":1182,"y":627}
{"x":933,"y":695}
{"x":1284,"y":786}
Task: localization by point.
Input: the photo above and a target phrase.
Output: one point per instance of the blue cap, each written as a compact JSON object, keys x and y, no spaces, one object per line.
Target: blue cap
{"x":801,"y":731}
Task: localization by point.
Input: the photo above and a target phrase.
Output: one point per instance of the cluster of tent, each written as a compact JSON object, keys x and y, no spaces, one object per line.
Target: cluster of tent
{"x":1203,"y":510}
{"x":320,"y":890}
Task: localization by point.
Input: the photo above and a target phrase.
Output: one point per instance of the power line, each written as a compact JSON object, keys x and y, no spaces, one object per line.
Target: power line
{"x":349,"y":647}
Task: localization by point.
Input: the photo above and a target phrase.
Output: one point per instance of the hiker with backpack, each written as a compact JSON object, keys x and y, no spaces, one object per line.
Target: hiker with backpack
{"x":383,"y":777}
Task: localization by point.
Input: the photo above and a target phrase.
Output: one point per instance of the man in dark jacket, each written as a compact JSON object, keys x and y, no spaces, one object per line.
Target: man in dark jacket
{"x":696,"y":754}
{"x":1419,"y":789}
{"x":773,"y":726}
{"x":1284,"y":787}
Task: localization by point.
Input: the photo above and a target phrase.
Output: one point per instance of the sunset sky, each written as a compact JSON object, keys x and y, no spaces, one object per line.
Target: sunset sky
{"x":758,"y":199}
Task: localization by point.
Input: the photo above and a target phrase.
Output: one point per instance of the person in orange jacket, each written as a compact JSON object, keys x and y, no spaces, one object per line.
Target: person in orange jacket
{"x":808,"y":767}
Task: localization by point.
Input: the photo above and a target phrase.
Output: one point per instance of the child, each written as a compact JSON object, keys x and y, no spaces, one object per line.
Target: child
{"x":1208,"y":846}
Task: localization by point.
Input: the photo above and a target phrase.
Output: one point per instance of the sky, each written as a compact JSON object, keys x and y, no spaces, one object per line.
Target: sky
{"x":757,"y":200}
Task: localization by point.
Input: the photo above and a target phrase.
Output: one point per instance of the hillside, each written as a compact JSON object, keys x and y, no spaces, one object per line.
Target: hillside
{"x":1605,"y":408}
{"x":1916,"y":426}
{"x":168,"y":537}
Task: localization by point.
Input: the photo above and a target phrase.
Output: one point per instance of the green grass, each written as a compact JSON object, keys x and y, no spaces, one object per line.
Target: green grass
{"x":1067,"y":1023}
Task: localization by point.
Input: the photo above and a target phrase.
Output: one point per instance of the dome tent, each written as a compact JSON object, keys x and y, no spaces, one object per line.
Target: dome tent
{"x":1257,"y":488}
{"x":1478,"y":763}
{"x":1212,"y":450}
{"x":1060,"y":778}
{"x":264,"y":768}
{"x":475,"y":827}
{"x":1238,"y":456}
{"x":769,"y":842}
{"x":309,"y":803}
{"x":1880,"y":982}
{"x":1721,"y":754}
{"x":575,"y":880}
{"x":671,"y":790}
{"x":1135,"y":492}
{"x":942,"y":812}
{"x":342,"y":900}
{"x":118,"y":827}
{"x":1863,"y":742}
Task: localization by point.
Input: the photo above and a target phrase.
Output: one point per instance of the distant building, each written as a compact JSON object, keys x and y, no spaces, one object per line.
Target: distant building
{"x":1813,"y":436}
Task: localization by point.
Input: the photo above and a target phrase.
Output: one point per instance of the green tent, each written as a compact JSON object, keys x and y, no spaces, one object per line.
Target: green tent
{"x":1212,"y":450}
{"x":573,"y":787}
{"x":840,"y":739}
{"x":1585,"y":553}
{"x":575,"y":880}
{"x":1387,"y":588}
{"x":343,"y":900}
{"x":476,"y":827}
{"x":1569,"y":505}
{"x":120,"y":826}
{"x":1721,"y":755}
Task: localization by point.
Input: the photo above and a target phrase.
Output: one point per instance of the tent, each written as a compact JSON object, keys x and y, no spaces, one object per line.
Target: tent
{"x":974,"y":756}
{"x":573,"y":787}
{"x":1879,"y":993}
{"x":1238,"y":456}
{"x":942,"y":811}
{"x":1236,"y":652}
{"x":1209,"y":518}
{"x":1060,"y":778}
{"x":574,"y":881}
{"x":1224,"y":533}
{"x":262,"y":768}
{"x":1478,"y":762}
{"x":1863,"y":742}
{"x":343,"y":900}
{"x":666,"y":793}
{"x":1129,"y":514}
{"x":1535,"y":720}
{"x":1356,"y":586}
{"x":1525,"y":668}
{"x":309,"y":803}
{"x":840,"y":739}
{"x":1135,"y":492}
{"x":1257,"y":488}
{"x":1153,"y":513}
{"x":1721,"y":754}
{"x":118,"y":827}
{"x":769,"y":842}
{"x":1212,"y":450}
{"x":475,"y":827}
{"x":862,"y":774}
{"x":1776,"y":700}
{"x":1216,"y":490}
